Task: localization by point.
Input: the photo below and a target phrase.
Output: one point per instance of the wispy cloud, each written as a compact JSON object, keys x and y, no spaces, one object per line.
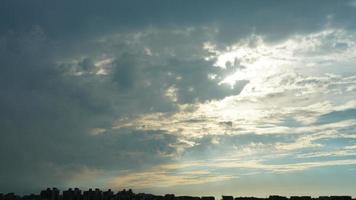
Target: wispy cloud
{"x":166,"y":177}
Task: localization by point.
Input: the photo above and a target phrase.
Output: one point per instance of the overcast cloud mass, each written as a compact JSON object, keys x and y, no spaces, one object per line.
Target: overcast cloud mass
{"x":248,"y":98}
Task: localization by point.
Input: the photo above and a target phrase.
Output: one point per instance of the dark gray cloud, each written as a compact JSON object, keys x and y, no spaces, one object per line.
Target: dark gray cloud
{"x":57,"y":111}
{"x":49,"y":112}
{"x":68,"y":19}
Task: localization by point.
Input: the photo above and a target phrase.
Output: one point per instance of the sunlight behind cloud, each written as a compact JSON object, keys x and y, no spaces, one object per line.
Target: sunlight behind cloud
{"x":256,"y":60}
{"x":287,"y":94}
{"x":275,"y":89}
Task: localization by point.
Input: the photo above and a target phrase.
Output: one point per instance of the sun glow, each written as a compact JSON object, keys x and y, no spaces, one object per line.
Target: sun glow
{"x":275,"y":90}
{"x":252,"y":62}
{"x":256,"y":60}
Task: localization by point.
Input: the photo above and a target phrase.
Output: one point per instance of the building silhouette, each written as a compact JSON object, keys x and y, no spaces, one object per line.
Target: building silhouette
{"x":97,"y":194}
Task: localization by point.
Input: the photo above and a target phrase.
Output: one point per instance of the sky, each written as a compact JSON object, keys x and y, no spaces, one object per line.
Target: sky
{"x":243,"y":98}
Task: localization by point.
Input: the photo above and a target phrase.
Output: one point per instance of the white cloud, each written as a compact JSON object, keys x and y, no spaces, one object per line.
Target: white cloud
{"x":287,"y":95}
{"x":278,"y":88}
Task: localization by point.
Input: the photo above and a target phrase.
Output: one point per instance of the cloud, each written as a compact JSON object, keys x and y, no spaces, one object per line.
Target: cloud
{"x":337,"y":116}
{"x":235,"y":19}
{"x":302,"y":96}
{"x":160,"y":177}
{"x":56,"y":105}
{"x":172,"y":175}
{"x":288,"y":112}
{"x":111,"y":93}
{"x":51,"y":119}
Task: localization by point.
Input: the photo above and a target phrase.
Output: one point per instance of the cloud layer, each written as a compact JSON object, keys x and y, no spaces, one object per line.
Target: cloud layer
{"x":163,"y":97}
